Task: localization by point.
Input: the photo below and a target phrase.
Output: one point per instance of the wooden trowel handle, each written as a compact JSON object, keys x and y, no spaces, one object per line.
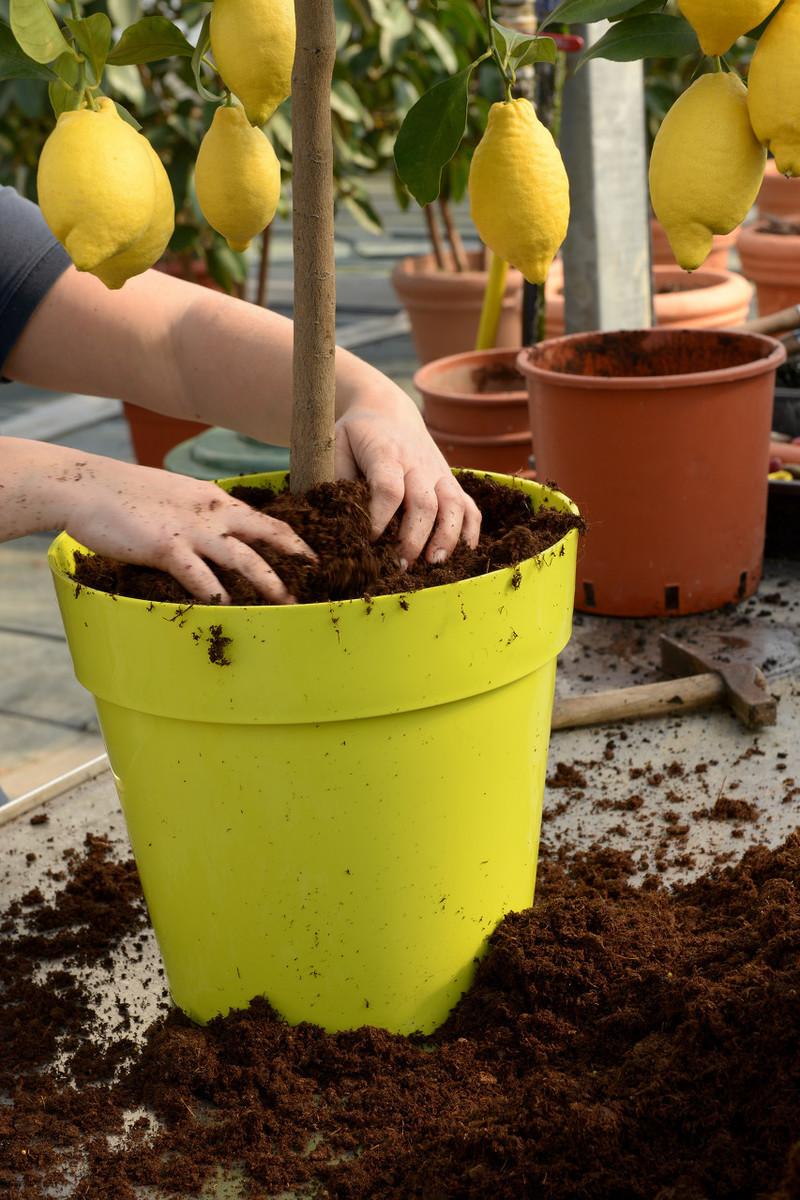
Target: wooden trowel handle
{"x":780,"y":322}
{"x":646,"y":700}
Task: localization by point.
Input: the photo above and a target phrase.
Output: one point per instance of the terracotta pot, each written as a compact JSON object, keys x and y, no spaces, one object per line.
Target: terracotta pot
{"x":703,"y":300}
{"x":153,"y":435}
{"x":444,"y":307}
{"x":772,"y":261}
{"x":507,"y":454}
{"x":663,"y":438}
{"x":779,"y":196}
{"x":485,"y":429}
{"x":662,"y":251}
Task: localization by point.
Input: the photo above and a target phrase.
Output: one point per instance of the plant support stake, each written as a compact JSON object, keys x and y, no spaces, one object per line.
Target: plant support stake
{"x":314,"y":370}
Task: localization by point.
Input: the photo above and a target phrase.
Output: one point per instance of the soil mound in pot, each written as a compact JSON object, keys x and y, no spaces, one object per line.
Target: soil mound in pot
{"x":497,"y":378}
{"x":334,"y":520}
{"x":619,"y":1043}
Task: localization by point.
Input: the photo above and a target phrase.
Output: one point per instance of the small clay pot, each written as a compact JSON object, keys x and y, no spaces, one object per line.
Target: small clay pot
{"x":476,"y":408}
{"x":779,"y":196}
{"x":703,"y":299}
{"x":444,"y":307}
{"x":662,"y":251}
{"x":772,"y":261}
{"x":662,"y":437}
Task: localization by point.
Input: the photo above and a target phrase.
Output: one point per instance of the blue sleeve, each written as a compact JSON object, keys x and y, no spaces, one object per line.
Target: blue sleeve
{"x":31,"y":260}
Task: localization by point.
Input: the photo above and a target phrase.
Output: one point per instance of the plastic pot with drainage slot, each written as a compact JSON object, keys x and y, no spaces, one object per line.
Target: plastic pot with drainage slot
{"x":662,"y":437}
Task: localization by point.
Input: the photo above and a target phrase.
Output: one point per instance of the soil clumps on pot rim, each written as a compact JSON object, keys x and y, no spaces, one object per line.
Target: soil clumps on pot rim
{"x":619,"y":1043}
{"x":334,"y":521}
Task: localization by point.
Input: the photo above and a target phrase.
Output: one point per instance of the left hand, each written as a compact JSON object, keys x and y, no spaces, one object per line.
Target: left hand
{"x":386,"y":441}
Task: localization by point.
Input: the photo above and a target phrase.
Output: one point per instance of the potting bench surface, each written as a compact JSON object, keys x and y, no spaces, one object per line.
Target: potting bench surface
{"x":642,"y":787}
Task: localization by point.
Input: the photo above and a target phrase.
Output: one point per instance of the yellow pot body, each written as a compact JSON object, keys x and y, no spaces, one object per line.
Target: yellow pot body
{"x":339,"y":818}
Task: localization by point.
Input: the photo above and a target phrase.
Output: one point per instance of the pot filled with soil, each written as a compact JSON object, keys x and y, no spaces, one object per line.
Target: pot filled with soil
{"x":786,"y":416}
{"x":705,"y":299}
{"x":663,"y":437}
{"x":444,"y":304}
{"x":662,"y":251}
{"x":770,"y":255}
{"x":779,"y":196}
{"x":311,"y":791}
{"x":476,"y":408}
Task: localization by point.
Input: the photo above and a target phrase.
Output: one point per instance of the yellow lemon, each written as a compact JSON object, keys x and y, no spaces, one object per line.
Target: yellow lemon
{"x":237,"y":178}
{"x":105,"y":194}
{"x":519,"y":191}
{"x":706,"y":168}
{"x":718,"y":23}
{"x":773,"y":96}
{"x":253,"y":46}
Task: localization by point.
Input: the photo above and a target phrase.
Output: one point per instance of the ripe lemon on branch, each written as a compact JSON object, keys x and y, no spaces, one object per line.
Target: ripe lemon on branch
{"x":718,"y":23}
{"x":253,"y":45}
{"x":773,"y":93}
{"x":706,"y":167}
{"x":237,"y":177}
{"x":105,"y":194}
{"x":519,"y":191}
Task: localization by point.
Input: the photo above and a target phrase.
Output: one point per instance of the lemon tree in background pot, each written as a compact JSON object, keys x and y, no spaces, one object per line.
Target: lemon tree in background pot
{"x":338,"y":839}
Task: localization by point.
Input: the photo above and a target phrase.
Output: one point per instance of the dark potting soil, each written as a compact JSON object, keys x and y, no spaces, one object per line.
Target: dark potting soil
{"x":788,"y":374}
{"x":497,"y":378}
{"x":619,"y":1043}
{"x":334,"y":521}
{"x":779,"y":227}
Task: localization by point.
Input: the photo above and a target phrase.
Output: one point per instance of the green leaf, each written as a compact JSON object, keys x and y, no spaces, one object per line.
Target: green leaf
{"x":346,"y":102}
{"x":226,"y":267}
{"x":431,"y":134}
{"x":203,"y":45}
{"x":63,"y":98}
{"x":358,"y":205}
{"x":539,"y":49}
{"x":37,"y":30}
{"x":654,"y":36}
{"x":126,"y":116}
{"x":585,"y":12}
{"x":128,"y":82}
{"x":124,"y":12}
{"x":16,"y":65}
{"x":93,"y":37}
{"x":439,"y":44}
{"x":148,"y":40}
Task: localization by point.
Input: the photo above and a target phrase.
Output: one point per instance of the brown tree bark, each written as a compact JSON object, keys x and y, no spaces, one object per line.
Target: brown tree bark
{"x":435,"y":234}
{"x":314,"y":401}
{"x":453,"y":236}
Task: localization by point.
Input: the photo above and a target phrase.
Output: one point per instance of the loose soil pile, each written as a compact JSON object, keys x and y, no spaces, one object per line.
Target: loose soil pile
{"x":497,"y":378}
{"x":619,"y":1043}
{"x":334,"y":521}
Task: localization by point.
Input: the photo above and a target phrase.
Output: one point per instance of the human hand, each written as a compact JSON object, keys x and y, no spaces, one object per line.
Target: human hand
{"x":151,"y":517}
{"x":382,"y":436}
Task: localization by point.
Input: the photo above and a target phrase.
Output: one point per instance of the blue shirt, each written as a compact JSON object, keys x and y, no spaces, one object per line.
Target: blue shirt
{"x":31,"y":260}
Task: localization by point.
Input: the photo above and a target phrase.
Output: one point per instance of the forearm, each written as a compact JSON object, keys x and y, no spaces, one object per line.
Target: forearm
{"x":181,"y":350}
{"x":36,"y":488}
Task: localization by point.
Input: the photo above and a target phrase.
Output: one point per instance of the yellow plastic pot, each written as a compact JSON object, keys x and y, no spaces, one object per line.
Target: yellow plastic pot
{"x":340,"y":817}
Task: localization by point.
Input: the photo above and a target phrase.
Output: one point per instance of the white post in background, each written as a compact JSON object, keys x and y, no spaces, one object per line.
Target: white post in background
{"x":607,"y":273}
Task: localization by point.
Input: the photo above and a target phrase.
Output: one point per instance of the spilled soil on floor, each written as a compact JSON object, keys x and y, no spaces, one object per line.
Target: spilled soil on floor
{"x":619,"y":1043}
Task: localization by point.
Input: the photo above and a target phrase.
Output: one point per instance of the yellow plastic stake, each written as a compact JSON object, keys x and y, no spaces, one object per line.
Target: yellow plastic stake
{"x":492,"y":303}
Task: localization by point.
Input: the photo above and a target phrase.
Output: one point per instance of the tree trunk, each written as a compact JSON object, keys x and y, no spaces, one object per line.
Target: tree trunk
{"x":314,"y":399}
{"x":263,"y":268}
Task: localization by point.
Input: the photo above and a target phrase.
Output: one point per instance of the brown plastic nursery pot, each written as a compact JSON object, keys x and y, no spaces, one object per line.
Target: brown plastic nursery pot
{"x":779,"y":196}
{"x":662,"y":251}
{"x":772,"y":261}
{"x":444,"y":307}
{"x":662,"y":437}
{"x":704,"y":299}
